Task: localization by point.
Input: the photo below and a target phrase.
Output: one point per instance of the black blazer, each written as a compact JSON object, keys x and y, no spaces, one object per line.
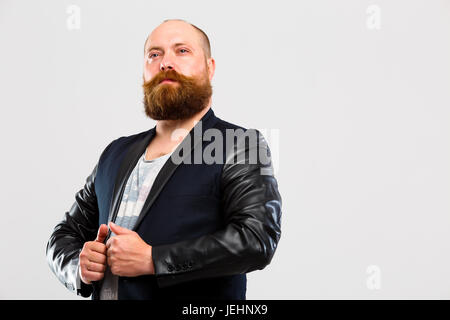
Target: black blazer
{"x":209,"y":223}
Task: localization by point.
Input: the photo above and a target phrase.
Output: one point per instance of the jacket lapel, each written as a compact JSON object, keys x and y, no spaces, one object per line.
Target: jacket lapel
{"x":127,"y":165}
{"x":133,"y":155}
{"x":207,"y":121}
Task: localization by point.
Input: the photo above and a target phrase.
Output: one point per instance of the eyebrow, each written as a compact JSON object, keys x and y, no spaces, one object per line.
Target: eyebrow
{"x":175,"y":45}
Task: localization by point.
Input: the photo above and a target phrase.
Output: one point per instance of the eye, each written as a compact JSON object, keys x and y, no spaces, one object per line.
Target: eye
{"x":151,"y":55}
{"x":184,"y":50}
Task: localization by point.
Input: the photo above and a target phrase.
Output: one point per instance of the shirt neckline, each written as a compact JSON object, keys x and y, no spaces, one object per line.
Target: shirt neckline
{"x":156,"y":159}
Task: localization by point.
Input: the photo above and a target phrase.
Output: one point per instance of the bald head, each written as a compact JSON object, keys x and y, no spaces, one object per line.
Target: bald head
{"x":202,"y":38}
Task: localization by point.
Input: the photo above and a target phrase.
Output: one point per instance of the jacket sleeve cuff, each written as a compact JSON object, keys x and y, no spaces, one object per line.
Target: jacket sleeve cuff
{"x":82,"y":289}
{"x":169,"y":272}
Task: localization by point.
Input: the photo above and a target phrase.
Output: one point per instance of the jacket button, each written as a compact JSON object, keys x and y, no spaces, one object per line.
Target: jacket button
{"x":170,"y":268}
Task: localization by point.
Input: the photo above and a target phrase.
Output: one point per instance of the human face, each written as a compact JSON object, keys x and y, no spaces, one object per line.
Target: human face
{"x":182,"y":61}
{"x":176,"y":45}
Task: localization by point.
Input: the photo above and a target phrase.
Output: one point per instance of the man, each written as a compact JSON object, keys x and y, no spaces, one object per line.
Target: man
{"x":178,"y":227}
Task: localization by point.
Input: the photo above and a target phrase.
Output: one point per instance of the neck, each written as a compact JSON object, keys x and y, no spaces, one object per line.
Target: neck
{"x":165,"y":128}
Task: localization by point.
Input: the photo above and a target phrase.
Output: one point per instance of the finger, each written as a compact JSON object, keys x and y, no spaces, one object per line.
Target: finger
{"x":97,"y":247}
{"x":118,"y":229}
{"x":109,"y":242}
{"x":96,"y":267}
{"x":92,"y":275}
{"x":97,"y":258}
{"x":102,"y":233}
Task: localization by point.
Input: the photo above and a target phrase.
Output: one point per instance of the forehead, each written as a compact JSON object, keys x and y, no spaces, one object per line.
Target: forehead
{"x":172,"y":32}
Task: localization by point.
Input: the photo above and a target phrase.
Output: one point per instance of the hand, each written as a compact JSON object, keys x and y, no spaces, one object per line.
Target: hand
{"x":128,"y":255}
{"x":92,"y":260}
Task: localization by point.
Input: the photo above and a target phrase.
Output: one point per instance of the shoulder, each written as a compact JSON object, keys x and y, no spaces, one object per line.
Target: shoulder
{"x":236,"y":129}
{"x":223,"y":125}
{"x":121,"y":143}
{"x":125,"y":140}
{"x":240,"y":132}
{"x":248,"y":145}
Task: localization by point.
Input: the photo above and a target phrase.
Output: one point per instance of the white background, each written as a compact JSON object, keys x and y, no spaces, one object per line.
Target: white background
{"x":362,"y":115}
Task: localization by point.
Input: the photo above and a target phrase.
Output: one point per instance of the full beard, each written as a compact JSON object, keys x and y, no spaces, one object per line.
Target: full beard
{"x":175,"y":101}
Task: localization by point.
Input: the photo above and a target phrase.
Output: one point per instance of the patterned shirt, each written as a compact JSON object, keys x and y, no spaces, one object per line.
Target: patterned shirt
{"x":136,"y":191}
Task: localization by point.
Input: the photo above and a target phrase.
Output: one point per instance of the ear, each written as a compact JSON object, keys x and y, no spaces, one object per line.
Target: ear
{"x":211,"y":64}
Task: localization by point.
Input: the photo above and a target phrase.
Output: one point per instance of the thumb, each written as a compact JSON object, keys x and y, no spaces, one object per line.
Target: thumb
{"x":118,"y":230}
{"x":102,"y":233}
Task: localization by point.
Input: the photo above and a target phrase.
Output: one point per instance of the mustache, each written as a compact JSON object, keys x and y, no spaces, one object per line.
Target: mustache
{"x":174,"y":102}
{"x":169,"y":74}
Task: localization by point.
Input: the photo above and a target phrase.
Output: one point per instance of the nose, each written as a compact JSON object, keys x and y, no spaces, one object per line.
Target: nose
{"x":165,"y":66}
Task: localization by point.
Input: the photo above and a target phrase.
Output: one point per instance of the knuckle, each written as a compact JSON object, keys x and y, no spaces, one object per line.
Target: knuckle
{"x":99,"y":277}
{"x":87,"y":245}
{"x":83,"y":261}
{"x":85,"y":276}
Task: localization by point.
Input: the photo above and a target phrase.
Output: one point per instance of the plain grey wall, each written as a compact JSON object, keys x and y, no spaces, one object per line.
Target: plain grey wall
{"x":356,"y":94}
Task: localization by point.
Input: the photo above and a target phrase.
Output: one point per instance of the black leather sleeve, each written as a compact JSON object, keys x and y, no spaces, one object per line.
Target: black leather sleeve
{"x":80,"y":224}
{"x":252,"y":208}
